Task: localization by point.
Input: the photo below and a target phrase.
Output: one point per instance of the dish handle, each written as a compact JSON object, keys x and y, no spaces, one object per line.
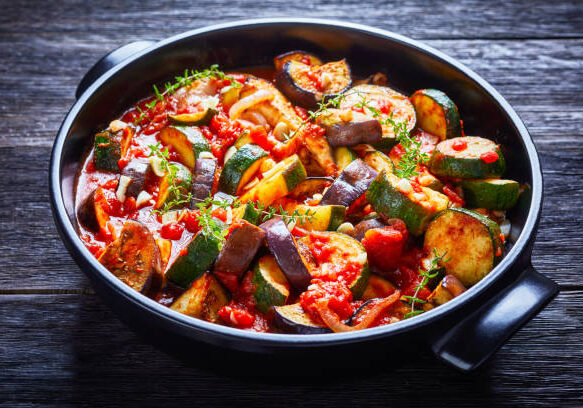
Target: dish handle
{"x":471,"y":341}
{"x":109,"y":61}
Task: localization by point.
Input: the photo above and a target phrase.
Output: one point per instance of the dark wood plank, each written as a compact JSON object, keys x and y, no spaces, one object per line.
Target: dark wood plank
{"x":417,"y":18}
{"x":70,"y":349}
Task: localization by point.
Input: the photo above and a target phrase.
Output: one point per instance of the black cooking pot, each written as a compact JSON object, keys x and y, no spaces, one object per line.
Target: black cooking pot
{"x":465,"y":331}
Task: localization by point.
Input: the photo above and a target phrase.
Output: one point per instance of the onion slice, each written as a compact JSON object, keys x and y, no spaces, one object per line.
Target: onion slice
{"x":332,"y":320}
{"x":242,"y":104}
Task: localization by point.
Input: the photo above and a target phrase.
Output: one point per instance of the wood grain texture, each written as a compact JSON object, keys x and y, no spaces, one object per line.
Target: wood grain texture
{"x":88,"y":357}
{"x":60,"y":346}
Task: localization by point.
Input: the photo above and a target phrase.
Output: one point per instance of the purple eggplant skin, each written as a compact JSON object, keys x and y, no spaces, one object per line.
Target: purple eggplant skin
{"x":353,"y":133}
{"x":282,"y":245}
{"x":351,"y":184}
{"x":137,"y":171}
{"x":240,"y":248}
{"x":363,"y":226}
{"x":292,"y":319}
{"x":203,"y":180}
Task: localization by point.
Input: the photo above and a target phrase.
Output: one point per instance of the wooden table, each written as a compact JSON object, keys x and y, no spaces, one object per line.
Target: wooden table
{"x":60,"y":345}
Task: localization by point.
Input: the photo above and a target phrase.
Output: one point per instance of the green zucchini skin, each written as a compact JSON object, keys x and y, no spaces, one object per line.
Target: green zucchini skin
{"x":270,"y":287}
{"x":343,"y":157}
{"x":189,"y":142}
{"x":107,"y":151}
{"x":386,"y":199}
{"x":246,"y":159}
{"x":200,"y":255}
{"x":466,"y":164}
{"x":251,"y":214}
{"x":183,"y":180}
{"x":436,"y":113}
{"x":470,"y":240}
{"x":491,"y":194}
{"x":193,"y":119}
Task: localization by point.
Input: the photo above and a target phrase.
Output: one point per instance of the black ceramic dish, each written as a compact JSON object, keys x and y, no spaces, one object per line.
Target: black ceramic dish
{"x":465,"y":331}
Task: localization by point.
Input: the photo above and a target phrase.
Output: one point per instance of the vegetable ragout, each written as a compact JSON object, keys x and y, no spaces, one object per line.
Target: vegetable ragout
{"x":300,"y":199}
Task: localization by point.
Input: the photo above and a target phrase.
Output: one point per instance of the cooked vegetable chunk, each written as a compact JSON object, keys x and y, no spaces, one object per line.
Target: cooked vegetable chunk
{"x":395,"y":198}
{"x":270,"y":287}
{"x":379,"y":161}
{"x":110,"y":147}
{"x":348,"y":128}
{"x":378,"y":288}
{"x":318,"y":218}
{"x":203,"y":180}
{"x":300,"y":56}
{"x":92,"y":213}
{"x":187,"y":141}
{"x":241,"y":167}
{"x":436,"y":113}
{"x":200,"y":118}
{"x":306,"y":85}
{"x":491,"y":194}
{"x":448,"y":288}
{"x":467,"y":157}
{"x":385,"y":103}
{"x":293,"y":319}
{"x":136,"y":170}
{"x":350,"y":185}
{"x":343,"y":157}
{"x":283,"y":246}
{"x":199,"y":257}
{"x":470,"y":240}
{"x":203,"y":299}
{"x":240,"y":248}
{"x":181,"y":181}
{"x":134,"y":257}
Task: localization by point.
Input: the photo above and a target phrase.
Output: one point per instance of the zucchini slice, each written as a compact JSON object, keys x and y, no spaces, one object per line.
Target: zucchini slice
{"x":395,"y":198}
{"x":240,"y":168}
{"x":134,"y":257}
{"x":348,"y":128}
{"x":472,"y":243}
{"x":183,"y":182}
{"x":322,"y":217}
{"x":240,"y":248}
{"x":491,"y":194}
{"x":477,"y":158}
{"x":203,"y":299}
{"x":388,"y":102}
{"x":283,"y":246}
{"x":280,"y":180}
{"x":243,"y":139}
{"x":379,"y":161}
{"x":340,"y":250}
{"x":92,"y":213}
{"x":189,"y":142}
{"x":436,"y":113}
{"x":350,"y":185}
{"x":199,"y":257}
{"x":306,"y":85}
{"x":343,"y":157}
{"x":203,"y":180}
{"x":378,"y":288}
{"x":300,"y":56}
{"x":293,"y":319}
{"x":200,"y":118}
{"x":270,"y":287}
{"x":110,"y":147}
{"x":309,"y":187}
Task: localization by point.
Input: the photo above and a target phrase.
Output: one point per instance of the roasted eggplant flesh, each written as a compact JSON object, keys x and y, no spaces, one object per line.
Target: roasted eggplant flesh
{"x":306,"y":85}
{"x":92,"y":212}
{"x":350,"y":185}
{"x":203,"y":180}
{"x":134,"y":257}
{"x":240,"y":248}
{"x":137,"y":171}
{"x":283,"y":246}
{"x":349,"y":128}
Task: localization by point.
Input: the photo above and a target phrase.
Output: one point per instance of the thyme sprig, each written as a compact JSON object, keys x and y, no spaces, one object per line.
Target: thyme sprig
{"x":176,"y":193}
{"x":269,"y":212}
{"x":412,"y":154}
{"x":186,"y":79}
{"x":427,"y":275}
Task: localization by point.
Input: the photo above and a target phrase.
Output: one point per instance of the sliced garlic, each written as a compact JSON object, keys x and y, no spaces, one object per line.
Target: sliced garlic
{"x":205,"y":155}
{"x":122,"y":186}
{"x":280,"y":131}
{"x":346,"y":228}
{"x":117,"y":125}
{"x":143,"y":198}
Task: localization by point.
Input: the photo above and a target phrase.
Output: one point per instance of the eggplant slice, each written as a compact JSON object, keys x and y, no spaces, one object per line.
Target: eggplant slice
{"x":283,"y":246}
{"x":134,"y":257}
{"x":293,"y":319}
{"x":348,"y":128}
{"x":350,"y":185}
{"x":91,"y":213}
{"x":300,"y":56}
{"x":306,"y":85}
{"x":240,"y":248}
{"x":203,"y":180}
{"x":136,"y":170}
